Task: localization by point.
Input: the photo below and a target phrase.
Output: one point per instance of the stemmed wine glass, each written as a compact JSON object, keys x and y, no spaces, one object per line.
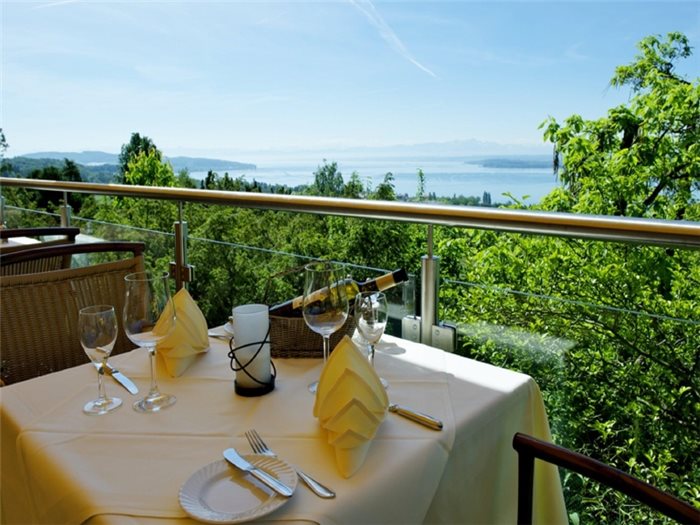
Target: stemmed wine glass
{"x":148,"y":303}
{"x":98,"y":333}
{"x":372,"y":313}
{"x":325,"y":303}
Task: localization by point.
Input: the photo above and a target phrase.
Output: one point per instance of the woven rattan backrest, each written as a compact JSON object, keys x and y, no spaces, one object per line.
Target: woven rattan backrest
{"x":44,"y":264}
{"x":39,"y":316}
{"x":50,"y":258}
{"x":66,"y":235}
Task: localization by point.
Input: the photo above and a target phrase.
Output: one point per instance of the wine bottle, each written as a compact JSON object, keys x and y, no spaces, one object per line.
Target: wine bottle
{"x":293,"y":307}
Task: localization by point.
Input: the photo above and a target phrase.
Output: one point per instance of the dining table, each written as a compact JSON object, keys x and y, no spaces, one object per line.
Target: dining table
{"x":60,"y":465}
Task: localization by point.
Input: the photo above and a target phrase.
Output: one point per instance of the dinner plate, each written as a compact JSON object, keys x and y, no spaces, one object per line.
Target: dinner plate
{"x":221,"y":493}
{"x":229,"y":327}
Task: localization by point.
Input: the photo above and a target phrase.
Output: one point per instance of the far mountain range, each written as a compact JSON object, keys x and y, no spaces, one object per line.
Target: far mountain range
{"x":91,"y":158}
{"x":503,"y":156}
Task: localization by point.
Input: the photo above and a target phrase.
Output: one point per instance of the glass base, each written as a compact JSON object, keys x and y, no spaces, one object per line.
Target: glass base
{"x":154,"y":403}
{"x":313,"y":387}
{"x":101,"y":406}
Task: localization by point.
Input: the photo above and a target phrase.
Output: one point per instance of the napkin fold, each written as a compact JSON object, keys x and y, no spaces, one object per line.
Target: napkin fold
{"x":189,"y":337}
{"x":350,"y":404}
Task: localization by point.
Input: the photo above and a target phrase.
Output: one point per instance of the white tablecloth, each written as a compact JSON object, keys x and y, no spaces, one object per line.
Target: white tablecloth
{"x":61,"y":466}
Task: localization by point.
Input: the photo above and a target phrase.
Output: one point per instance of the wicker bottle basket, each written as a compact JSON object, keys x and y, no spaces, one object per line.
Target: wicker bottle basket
{"x":291,"y":337}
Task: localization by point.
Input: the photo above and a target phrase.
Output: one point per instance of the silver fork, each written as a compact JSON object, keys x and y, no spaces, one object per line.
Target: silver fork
{"x":259,"y":447}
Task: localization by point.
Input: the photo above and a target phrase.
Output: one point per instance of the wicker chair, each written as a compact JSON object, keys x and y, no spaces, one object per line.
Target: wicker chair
{"x":57,"y":234}
{"x":529,"y":448}
{"x":57,"y":257}
{"x":39,"y":311}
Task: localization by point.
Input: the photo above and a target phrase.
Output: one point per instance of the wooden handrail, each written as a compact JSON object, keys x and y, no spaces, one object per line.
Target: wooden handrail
{"x":605,"y":228}
{"x":529,"y":448}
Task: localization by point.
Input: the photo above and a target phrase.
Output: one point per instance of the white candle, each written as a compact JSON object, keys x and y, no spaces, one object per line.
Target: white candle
{"x":250,"y":325}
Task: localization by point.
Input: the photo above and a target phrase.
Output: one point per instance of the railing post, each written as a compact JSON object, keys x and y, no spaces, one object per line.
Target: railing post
{"x":184,"y":273}
{"x":430,"y":276}
{"x":65,"y":211}
{"x":2,"y":211}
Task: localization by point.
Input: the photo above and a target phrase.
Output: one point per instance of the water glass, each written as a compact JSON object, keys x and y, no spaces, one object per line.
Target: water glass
{"x":98,"y":333}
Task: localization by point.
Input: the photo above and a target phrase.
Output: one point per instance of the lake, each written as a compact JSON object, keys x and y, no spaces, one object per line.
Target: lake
{"x":444,"y":177}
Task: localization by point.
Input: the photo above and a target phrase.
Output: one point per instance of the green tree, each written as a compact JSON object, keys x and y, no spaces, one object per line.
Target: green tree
{"x":609,"y":330}
{"x":50,"y":200}
{"x":385,"y":190}
{"x":5,"y":168}
{"x":354,"y":189}
{"x":3,"y":144}
{"x":328,"y":181}
{"x":183,"y":179}
{"x":642,"y":159}
{"x":136,"y":145}
{"x":420,"y":194}
{"x":147,"y":169}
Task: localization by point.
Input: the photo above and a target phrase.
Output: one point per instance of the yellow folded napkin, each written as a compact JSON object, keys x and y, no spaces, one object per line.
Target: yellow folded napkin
{"x":350,"y":404}
{"x":189,"y":337}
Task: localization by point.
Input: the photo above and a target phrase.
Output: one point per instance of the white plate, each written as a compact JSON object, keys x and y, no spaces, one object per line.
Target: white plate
{"x":221,"y":493}
{"x":225,"y":331}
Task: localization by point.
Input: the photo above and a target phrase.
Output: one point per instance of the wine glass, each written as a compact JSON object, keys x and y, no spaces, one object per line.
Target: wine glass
{"x":98,"y":333}
{"x":325,"y":303}
{"x":148,"y":304}
{"x":372,"y":313}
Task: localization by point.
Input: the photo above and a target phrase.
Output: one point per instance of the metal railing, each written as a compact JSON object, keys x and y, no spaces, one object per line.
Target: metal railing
{"x":658,"y":232}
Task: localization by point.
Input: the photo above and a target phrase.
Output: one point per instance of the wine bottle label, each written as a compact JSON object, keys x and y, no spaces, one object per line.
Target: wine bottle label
{"x":316,"y":296}
{"x":352,"y":288}
{"x":385,"y":281}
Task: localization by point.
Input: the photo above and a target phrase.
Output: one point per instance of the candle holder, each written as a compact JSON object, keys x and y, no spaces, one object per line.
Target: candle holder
{"x":250,"y":357}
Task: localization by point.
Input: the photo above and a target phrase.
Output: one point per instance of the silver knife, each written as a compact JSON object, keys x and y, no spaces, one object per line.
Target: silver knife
{"x":236,"y":460}
{"x":418,"y":417}
{"x":121,"y":379}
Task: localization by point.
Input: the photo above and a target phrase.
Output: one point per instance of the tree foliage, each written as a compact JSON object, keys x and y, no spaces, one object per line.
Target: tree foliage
{"x":610,"y":331}
{"x":48,"y":200}
{"x":147,"y":169}
{"x":137,"y":145}
{"x":3,"y":144}
{"x":328,"y":180}
{"x":642,"y":159}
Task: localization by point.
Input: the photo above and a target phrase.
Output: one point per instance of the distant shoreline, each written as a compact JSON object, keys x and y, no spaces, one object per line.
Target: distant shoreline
{"x":524,"y":177}
{"x":515,"y":163}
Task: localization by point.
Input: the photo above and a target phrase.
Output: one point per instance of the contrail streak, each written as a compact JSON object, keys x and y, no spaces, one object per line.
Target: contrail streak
{"x":368,"y":9}
{"x":53,"y":4}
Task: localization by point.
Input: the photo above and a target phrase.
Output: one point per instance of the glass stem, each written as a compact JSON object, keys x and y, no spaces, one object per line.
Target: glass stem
{"x":100,"y":383}
{"x":371,"y":354}
{"x":152,"y":360}
{"x":326,"y":347}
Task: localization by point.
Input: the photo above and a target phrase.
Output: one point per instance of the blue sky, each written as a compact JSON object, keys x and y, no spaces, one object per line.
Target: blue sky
{"x":231,"y":78}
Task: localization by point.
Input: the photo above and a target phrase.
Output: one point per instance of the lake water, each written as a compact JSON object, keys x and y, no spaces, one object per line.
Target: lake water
{"x":444,"y":177}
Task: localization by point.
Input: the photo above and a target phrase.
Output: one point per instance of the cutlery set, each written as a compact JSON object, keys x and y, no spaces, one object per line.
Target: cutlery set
{"x":260,"y":447}
{"x":237,"y":461}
